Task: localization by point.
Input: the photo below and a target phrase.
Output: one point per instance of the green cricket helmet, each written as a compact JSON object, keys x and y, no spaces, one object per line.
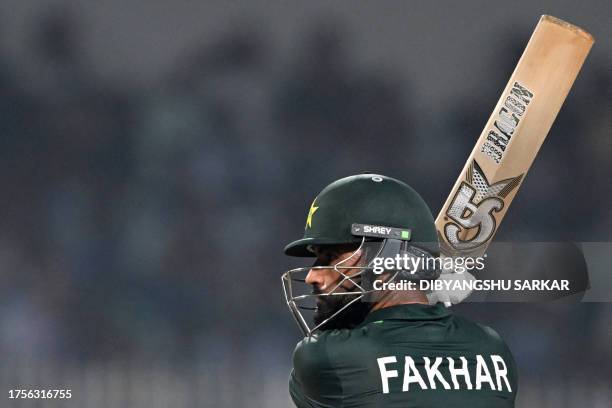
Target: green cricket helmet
{"x":384,"y":218}
{"x":370,"y":200}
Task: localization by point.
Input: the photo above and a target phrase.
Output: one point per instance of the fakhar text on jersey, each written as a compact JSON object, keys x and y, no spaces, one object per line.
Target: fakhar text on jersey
{"x":455,"y":375}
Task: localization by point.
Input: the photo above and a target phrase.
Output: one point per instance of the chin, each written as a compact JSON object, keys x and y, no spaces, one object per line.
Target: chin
{"x":347,"y":319}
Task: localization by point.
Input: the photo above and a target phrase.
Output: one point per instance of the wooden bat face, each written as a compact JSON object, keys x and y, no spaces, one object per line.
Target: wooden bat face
{"x":512,"y":137}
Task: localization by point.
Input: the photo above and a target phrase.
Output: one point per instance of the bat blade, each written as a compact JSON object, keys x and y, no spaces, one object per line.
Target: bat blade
{"x":512,"y":137}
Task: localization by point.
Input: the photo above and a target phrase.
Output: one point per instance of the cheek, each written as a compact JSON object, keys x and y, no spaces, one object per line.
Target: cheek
{"x":331,"y":278}
{"x":325,"y":279}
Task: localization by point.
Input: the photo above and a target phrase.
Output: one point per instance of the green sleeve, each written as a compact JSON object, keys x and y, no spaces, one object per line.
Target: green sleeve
{"x":314,"y":381}
{"x":297,"y":394}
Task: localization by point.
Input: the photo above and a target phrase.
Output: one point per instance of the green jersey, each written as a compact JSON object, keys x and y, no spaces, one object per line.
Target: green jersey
{"x":405,"y":356}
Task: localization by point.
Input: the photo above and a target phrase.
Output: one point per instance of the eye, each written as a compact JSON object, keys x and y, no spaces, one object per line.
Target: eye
{"x":325,"y":258}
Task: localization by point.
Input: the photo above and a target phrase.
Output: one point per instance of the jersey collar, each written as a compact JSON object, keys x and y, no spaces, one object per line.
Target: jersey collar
{"x":408,"y":312}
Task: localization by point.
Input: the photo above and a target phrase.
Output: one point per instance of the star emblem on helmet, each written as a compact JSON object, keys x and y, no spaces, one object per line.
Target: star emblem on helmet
{"x":311,"y":212}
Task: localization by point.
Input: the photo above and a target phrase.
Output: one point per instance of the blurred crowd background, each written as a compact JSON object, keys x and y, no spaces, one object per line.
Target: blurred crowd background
{"x":144,"y":210}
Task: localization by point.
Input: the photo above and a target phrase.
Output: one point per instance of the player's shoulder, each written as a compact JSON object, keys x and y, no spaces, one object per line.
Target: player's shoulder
{"x":321,"y":360}
{"x":484,"y":336}
{"x":327,"y":347}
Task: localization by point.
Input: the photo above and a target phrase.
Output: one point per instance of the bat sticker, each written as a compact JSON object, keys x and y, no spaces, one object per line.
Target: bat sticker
{"x":507,"y":121}
{"x":473,"y":206}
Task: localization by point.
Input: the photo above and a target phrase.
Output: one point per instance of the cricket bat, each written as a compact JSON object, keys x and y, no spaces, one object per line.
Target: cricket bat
{"x":512,"y":137}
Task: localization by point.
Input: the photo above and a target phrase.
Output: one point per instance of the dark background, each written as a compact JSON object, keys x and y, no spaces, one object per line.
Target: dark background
{"x":155,"y":157}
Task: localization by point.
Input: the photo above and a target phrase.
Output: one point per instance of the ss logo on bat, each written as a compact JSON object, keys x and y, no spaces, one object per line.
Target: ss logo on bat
{"x":480,"y":216}
{"x":473,"y":207}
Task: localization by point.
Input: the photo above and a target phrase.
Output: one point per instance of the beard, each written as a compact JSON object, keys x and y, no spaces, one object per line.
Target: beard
{"x":349,"y":318}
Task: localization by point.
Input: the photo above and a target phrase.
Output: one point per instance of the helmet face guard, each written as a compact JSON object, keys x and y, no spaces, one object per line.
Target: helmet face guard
{"x":359,"y":277}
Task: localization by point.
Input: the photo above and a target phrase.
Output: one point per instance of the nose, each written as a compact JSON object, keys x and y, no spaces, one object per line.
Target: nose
{"x":315,"y":277}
